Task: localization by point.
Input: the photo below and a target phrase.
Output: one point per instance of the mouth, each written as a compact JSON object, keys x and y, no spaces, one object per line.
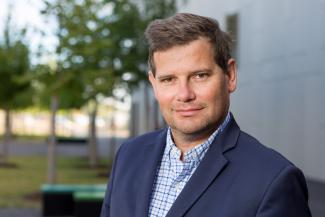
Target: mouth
{"x":188,"y":112}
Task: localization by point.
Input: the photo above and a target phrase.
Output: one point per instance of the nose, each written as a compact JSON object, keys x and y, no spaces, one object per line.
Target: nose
{"x":185,"y":92}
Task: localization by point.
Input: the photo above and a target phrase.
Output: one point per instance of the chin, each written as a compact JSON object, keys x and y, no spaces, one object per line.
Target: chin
{"x":190,"y":128}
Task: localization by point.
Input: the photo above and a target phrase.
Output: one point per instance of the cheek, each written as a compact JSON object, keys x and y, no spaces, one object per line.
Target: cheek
{"x":164,"y":98}
{"x":213,"y":96}
{"x":207,"y":92}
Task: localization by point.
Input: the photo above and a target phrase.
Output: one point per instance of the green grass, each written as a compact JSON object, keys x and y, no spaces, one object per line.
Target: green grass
{"x":20,"y":186}
{"x":28,"y":137}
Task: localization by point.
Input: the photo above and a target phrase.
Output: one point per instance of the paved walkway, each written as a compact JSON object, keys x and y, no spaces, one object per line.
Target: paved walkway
{"x":66,"y":149}
{"x":20,"y":213}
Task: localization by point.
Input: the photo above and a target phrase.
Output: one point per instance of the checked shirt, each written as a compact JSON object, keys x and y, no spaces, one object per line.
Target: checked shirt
{"x":173,"y":174}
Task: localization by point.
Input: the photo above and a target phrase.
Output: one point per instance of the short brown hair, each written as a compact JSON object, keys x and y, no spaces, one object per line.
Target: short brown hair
{"x":183,"y":28}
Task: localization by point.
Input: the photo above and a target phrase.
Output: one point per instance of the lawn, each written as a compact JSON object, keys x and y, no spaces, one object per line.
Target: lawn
{"x":20,"y":185}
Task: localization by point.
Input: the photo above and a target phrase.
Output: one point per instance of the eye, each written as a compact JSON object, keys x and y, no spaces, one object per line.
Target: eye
{"x":201,"y":76}
{"x":166,"y":80}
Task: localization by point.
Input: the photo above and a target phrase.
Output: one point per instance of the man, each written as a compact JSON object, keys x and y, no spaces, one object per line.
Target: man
{"x":202,"y":165}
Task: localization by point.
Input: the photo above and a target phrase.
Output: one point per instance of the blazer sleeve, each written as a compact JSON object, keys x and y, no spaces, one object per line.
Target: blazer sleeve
{"x":105,"y":212}
{"x":286,"y":196}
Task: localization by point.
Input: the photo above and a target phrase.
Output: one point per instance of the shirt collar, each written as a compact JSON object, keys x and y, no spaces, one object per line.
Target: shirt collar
{"x":197,"y":153}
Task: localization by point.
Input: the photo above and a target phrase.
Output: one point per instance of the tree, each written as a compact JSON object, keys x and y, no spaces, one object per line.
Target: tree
{"x":56,"y":89}
{"x":15,"y":89}
{"x":96,"y":44}
{"x":101,"y":44}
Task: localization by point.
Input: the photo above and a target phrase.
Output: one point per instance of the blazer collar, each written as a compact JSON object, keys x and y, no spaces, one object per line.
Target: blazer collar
{"x":214,"y":162}
{"x":155,"y":150}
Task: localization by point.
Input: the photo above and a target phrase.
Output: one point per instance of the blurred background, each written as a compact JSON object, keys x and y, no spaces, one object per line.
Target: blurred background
{"x":73,"y":87}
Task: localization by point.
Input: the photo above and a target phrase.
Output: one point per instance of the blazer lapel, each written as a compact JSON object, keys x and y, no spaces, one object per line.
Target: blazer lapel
{"x":210,"y":167}
{"x":150,"y":164}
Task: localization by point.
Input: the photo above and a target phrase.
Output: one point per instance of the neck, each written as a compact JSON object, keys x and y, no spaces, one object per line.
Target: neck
{"x":185,"y":142}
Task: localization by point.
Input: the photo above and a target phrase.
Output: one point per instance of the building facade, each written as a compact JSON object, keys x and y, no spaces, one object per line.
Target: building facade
{"x":281,"y":60}
{"x":280,"y":51}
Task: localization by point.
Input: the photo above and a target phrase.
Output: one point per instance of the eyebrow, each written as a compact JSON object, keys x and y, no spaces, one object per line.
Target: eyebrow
{"x":191,"y":73}
{"x":199,"y":71}
{"x":165,"y":76}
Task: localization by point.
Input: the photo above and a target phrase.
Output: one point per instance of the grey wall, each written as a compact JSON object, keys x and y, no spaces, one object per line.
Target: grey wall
{"x":279,"y":98}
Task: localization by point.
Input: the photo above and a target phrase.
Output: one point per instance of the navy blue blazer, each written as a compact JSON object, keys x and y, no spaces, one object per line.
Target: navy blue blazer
{"x":238,"y":177}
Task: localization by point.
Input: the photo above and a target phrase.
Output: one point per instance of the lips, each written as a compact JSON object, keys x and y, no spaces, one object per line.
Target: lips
{"x":188,"y":112}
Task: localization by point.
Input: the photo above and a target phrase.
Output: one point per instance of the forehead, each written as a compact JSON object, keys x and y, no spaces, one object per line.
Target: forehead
{"x":196,"y":55}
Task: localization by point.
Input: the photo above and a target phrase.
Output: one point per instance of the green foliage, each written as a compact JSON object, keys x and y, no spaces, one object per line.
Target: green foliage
{"x":47,"y":82}
{"x":84,"y":52}
{"x":15,"y":91}
{"x":101,"y":44}
{"x":100,"y":47}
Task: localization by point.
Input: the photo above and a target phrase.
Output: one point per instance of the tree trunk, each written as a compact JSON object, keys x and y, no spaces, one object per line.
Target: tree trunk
{"x":51,"y":164}
{"x":4,"y":152}
{"x":112,"y":144}
{"x":93,"y":155}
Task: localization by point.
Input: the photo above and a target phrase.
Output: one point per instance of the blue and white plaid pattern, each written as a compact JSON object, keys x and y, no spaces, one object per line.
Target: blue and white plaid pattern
{"x":173,"y":174}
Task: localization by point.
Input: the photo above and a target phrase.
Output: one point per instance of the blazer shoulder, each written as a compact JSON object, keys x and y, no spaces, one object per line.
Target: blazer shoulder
{"x":144,"y":140}
{"x":255,"y":152}
{"x":258,"y":166}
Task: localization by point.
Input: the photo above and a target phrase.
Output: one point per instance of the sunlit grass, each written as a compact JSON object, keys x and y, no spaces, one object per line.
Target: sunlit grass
{"x":20,"y":186}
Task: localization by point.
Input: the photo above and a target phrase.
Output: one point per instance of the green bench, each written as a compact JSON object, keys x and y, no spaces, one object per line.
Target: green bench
{"x":58,"y":199}
{"x":88,"y":203}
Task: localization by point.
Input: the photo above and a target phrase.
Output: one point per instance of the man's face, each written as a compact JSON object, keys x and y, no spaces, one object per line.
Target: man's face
{"x":191,"y":89}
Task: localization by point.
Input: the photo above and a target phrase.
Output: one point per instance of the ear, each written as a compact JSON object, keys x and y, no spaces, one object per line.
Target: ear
{"x":232,"y":75}
{"x":153,"y":81}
